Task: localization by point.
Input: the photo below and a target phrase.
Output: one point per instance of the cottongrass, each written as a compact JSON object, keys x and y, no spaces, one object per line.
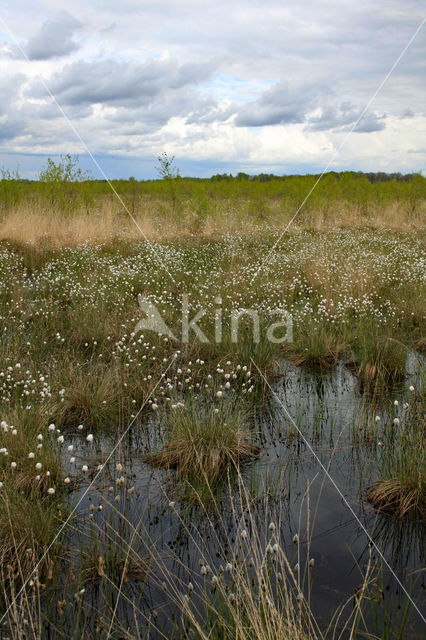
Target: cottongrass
{"x":261,"y":590}
{"x":401,"y":488}
{"x":203,"y":440}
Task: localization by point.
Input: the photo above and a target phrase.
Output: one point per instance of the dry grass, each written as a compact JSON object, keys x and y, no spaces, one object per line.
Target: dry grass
{"x":383,"y":358}
{"x":127,"y":569}
{"x":35,"y":224}
{"x":53,"y":229}
{"x":397,"y":497}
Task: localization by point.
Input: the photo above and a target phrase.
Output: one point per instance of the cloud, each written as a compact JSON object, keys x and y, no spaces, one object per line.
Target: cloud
{"x":345,"y":116}
{"x":110,"y":82}
{"x":10,"y":128}
{"x":9,"y":92}
{"x":8,"y":50}
{"x":370,"y":122}
{"x":241,"y":82}
{"x":54,"y":38}
{"x":280,"y":105}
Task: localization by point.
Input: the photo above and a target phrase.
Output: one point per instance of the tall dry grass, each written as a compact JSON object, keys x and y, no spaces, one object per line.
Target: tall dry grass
{"x":35,"y":223}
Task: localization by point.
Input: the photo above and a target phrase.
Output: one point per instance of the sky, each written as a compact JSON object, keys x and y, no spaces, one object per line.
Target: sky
{"x":269,"y":86}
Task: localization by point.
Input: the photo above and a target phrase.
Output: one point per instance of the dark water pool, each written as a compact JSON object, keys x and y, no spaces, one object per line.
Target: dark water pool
{"x":340,"y":434}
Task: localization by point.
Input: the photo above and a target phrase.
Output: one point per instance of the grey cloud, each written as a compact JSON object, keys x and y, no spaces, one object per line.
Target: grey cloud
{"x":344,"y":117}
{"x":9,"y":91}
{"x":122,"y":84}
{"x":138,"y":98}
{"x":209,"y":112}
{"x":11,"y":128}
{"x":54,"y":38}
{"x":280,"y":105}
{"x":8,"y":50}
{"x":151,"y":117}
{"x":109,"y":28}
{"x":12,"y":124}
{"x":49,"y":111}
{"x":370,"y":122}
{"x":193,"y":73}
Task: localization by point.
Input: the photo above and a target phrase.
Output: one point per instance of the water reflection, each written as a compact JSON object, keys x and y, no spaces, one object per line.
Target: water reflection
{"x":336,"y":417}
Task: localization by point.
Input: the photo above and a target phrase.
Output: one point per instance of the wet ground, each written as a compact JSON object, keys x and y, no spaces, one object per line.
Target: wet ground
{"x":330,"y":444}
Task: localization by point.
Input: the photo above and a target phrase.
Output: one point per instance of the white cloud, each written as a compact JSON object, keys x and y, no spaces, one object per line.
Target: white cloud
{"x":265,"y":83}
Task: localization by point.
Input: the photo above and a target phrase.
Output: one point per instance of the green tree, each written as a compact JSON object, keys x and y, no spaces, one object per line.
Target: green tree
{"x":62,"y":182}
{"x":65,"y":170}
{"x":168,"y":172}
{"x":166,"y":168}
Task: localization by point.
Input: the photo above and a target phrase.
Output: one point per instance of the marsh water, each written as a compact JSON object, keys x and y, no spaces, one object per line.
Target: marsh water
{"x":319,"y":450}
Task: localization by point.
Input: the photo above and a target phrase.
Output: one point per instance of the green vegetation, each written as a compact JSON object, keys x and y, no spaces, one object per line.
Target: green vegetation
{"x":204,"y":440}
{"x":401,"y":488}
{"x":174,"y":204}
{"x":32,"y":490}
{"x":75,"y":372}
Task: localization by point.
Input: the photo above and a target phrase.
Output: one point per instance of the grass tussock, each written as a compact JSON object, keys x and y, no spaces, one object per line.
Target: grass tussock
{"x":204,"y":441}
{"x":315,"y":347}
{"x":28,"y":528}
{"x":128,"y":568}
{"x":401,"y":488}
{"x":399,"y":496}
{"x":380,"y":358}
{"x":94,"y":397}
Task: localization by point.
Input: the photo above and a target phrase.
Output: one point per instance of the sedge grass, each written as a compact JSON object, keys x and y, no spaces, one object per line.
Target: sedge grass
{"x":29,"y":515}
{"x":401,"y":487}
{"x":68,"y":296}
{"x":203,"y":441}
